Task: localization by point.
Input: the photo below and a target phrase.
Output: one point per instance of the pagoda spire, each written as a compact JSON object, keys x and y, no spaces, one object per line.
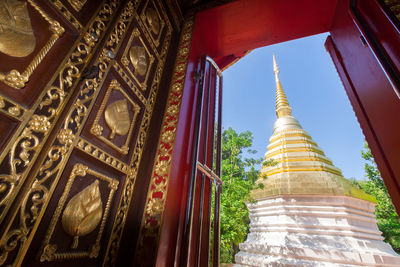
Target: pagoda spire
{"x":282,"y":104}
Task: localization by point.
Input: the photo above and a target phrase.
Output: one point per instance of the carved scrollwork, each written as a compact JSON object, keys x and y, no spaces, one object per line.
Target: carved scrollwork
{"x":18,"y":80}
{"x":30,"y":209}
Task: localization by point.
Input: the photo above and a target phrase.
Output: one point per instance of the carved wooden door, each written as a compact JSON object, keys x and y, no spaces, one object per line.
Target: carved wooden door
{"x":78,"y":83}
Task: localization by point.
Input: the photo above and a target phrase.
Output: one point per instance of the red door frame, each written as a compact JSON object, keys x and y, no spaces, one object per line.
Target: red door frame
{"x":365,"y":79}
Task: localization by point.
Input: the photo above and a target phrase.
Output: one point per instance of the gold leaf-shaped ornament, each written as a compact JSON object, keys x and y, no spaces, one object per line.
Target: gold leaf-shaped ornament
{"x":117,"y":118}
{"x":17,"y":38}
{"x":137,"y":55}
{"x":153,"y":20}
{"x":83,"y":212}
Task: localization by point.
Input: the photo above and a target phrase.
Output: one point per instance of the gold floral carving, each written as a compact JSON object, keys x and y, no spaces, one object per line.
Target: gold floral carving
{"x":155,"y":24}
{"x":26,"y":216}
{"x":122,"y":125}
{"x":82,"y":215}
{"x":16,"y":34}
{"x":77,"y":4}
{"x":141,"y":61}
{"x":67,"y":15}
{"x":156,"y":196}
{"x":127,"y":191}
{"x":18,"y":80}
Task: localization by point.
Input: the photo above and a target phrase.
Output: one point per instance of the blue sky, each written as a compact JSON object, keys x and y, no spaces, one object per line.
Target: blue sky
{"x":315,"y":93}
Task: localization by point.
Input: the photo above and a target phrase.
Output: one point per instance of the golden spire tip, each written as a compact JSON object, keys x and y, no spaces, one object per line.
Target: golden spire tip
{"x":276,"y":70}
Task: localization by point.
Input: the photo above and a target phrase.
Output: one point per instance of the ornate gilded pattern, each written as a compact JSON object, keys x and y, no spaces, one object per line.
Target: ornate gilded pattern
{"x":16,"y":34}
{"x":155,"y":24}
{"x":156,"y":196}
{"x":120,"y":219}
{"x":77,"y":4}
{"x":11,"y":108}
{"x":97,"y":129}
{"x":82,"y":215}
{"x":18,"y":80}
{"x":132,"y":86}
{"x":29,"y":212}
{"x":102,"y":156}
{"x":64,"y":11}
{"x":138,"y":63}
{"x":24,"y":220}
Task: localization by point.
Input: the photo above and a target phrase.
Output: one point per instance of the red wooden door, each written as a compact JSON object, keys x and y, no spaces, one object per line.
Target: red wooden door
{"x":364,"y":45}
{"x":199,"y":247}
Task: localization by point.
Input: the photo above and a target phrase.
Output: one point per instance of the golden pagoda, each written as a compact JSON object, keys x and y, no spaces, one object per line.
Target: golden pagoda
{"x":296,"y":156}
{"x":307,"y":213}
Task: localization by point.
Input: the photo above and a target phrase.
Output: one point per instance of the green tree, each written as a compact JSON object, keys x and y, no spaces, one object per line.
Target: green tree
{"x":239,"y":174}
{"x":388,"y":220}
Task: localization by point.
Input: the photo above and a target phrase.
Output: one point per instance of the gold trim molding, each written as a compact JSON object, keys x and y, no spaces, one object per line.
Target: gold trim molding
{"x":154,"y":207}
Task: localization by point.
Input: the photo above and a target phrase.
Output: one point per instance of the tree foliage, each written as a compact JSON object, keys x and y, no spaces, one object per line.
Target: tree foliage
{"x":388,"y":220}
{"x":239,"y":174}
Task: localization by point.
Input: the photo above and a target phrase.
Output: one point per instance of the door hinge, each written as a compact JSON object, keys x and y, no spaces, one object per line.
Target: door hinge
{"x":198,"y":75}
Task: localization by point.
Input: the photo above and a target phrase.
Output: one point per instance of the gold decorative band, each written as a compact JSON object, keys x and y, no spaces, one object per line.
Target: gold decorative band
{"x":155,"y":202}
{"x":291,"y":142}
{"x":294,"y":149}
{"x":303,"y":169}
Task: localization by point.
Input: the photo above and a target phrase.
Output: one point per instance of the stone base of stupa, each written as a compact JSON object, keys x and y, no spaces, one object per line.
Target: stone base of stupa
{"x":314,"y":231}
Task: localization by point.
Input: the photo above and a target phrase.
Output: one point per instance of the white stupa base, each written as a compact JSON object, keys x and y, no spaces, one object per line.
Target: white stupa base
{"x":314,"y":231}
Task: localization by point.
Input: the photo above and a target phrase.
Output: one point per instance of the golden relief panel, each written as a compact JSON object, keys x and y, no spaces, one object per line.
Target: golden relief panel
{"x":119,"y":116}
{"x":138,"y":60}
{"x":17,"y":38}
{"x":24,"y":149}
{"x":153,"y":21}
{"x":28,"y":214}
{"x":83,"y":214}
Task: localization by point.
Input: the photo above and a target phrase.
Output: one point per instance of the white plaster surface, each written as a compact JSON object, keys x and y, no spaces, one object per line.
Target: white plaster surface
{"x":301,"y":230}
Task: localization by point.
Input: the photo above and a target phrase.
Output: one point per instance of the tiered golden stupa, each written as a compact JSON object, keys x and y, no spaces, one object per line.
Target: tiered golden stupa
{"x":296,"y":155}
{"x":307,"y":213}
